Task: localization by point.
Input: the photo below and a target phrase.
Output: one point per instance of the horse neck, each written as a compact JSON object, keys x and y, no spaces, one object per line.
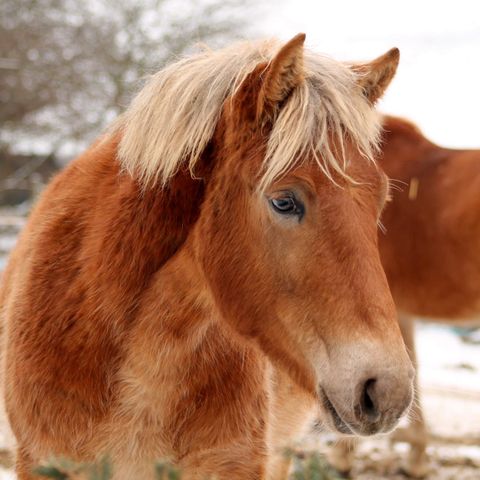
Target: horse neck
{"x":180,"y":342}
{"x":143,"y":254}
{"x":404,"y":148}
{"x":131,"y":232}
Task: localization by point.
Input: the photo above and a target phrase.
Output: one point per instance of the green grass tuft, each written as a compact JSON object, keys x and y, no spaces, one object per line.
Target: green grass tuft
{"x":306,"y":467}
{"x":313,"y":467}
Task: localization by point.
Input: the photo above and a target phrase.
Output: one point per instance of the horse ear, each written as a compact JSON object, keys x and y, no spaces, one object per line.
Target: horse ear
{"x":283,"y":73}
{"x":374,"y":77}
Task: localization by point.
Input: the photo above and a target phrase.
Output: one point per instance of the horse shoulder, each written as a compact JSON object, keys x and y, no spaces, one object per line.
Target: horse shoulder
{"x":91,"y":246}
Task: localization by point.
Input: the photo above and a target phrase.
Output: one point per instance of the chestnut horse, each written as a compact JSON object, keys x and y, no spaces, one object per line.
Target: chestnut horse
{"x":207,"y":274}
{"x":430,"y":250}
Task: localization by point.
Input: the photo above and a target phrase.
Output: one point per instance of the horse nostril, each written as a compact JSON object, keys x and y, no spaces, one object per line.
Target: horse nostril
{"x":380,"y":400}
{"x":368,"y":402}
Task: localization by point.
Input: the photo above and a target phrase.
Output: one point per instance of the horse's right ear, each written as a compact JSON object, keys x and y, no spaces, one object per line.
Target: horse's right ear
{"x":265,"y":89}
{"x":284,"y":73}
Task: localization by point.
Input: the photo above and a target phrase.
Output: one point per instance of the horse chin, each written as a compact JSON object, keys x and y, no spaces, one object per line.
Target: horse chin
{"x":333,"y":418}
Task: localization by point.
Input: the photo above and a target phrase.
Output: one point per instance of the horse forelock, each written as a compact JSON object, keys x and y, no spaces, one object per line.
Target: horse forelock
{"x":173,"y":118}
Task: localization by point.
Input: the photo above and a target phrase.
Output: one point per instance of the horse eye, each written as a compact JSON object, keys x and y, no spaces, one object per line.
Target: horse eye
{"x":287,"y":205}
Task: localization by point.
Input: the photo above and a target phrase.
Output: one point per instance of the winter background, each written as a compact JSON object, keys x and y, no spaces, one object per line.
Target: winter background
{"x":437,"y":86}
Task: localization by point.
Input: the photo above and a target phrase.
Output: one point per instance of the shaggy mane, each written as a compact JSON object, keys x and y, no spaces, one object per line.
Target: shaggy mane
{"x":174,"y":116}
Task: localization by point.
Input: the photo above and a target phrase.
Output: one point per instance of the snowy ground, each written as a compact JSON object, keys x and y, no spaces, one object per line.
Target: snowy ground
{"x":11,"y":222}
{"x":450,"y":385}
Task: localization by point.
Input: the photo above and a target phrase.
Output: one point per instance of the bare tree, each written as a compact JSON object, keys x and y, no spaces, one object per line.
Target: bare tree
{"x":67,"y":67}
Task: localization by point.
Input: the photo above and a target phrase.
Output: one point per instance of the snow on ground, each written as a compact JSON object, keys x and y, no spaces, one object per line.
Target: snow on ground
{"x":6,"y":474}
{"x":448,"y":362}
{"x":450,"y":384}
{"x":11,"y":222}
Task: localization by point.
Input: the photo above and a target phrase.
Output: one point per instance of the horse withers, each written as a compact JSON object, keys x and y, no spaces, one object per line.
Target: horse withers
{"x":429,"y":251}
{"x":206,"y":276}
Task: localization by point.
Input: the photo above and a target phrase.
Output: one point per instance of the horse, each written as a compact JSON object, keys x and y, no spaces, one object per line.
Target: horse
{"x":205,"y":278}
{"x":429,"y":251}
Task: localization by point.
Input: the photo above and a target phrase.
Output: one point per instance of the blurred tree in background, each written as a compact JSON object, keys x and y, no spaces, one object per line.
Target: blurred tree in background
{"x":68,"y":67}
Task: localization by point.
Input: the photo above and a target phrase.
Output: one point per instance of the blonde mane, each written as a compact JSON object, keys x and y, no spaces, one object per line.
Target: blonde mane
{"x":174,"y":116}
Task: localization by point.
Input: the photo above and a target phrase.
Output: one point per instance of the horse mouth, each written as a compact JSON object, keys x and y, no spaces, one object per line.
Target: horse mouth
{"x":338,"y":422}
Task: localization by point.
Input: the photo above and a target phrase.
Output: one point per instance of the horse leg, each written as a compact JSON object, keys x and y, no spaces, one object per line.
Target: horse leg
{"x":341,"y":455}
{"x":292,"y":413}
{"x":24,"y":465}
{"x":416,"y":433}
{"x":280,"y":468}
{"x":233,"y":462}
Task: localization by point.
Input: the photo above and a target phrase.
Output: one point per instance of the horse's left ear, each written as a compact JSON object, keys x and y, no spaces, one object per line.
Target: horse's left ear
{"x":283,"y":73}
{"x":374,"y":77}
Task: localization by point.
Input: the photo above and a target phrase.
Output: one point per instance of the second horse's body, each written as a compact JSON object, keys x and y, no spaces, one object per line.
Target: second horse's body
{"x":430,"y":249}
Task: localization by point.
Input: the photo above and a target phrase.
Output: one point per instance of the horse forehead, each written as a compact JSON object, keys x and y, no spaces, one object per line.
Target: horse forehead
{"x":361,"y":173}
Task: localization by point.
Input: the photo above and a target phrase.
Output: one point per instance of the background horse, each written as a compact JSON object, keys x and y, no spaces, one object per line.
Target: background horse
{"x":207,"y":275}
{"x":430,"y":249}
